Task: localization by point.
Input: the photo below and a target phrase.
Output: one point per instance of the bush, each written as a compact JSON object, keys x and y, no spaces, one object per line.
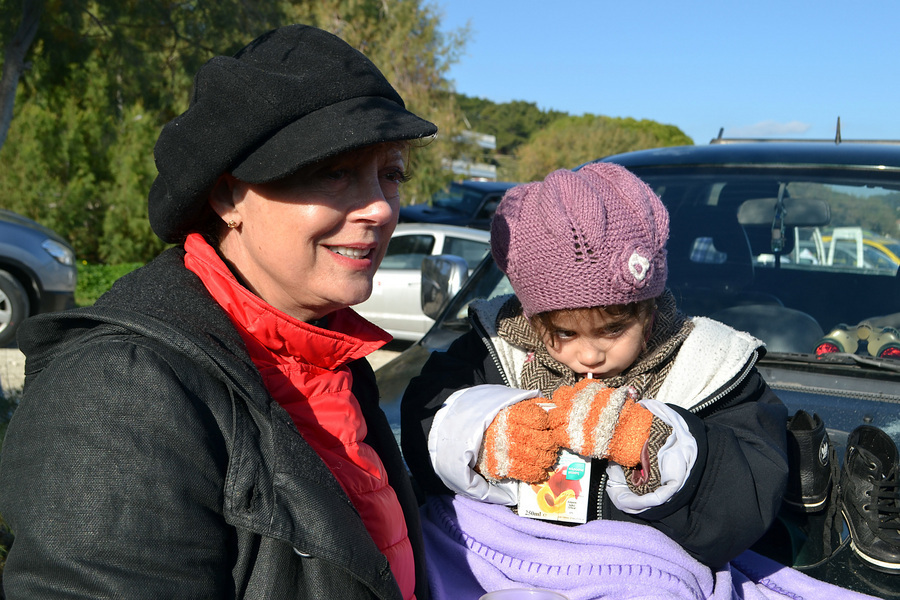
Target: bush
{"x":94,"y":280}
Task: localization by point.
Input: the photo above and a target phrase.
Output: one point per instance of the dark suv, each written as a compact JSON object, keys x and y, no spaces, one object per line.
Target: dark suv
{"x":468,"y":203}
{"x":774,"y":238}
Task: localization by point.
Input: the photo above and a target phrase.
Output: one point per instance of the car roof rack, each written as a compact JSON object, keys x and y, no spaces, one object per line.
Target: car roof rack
{"x":837,"y":139}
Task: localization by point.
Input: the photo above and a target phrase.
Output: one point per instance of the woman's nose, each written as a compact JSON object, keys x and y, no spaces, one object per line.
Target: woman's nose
{"x":373,"y":205}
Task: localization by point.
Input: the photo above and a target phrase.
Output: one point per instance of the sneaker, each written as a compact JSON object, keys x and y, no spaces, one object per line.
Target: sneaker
{"x":810,"y":460}
{"x":870,"y":497}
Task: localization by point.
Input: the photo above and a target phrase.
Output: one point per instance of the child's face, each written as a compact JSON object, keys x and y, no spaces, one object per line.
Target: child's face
{"x":593,"y":342}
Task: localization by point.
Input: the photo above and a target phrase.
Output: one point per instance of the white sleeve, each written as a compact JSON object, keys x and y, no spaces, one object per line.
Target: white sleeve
{"x":456,"y":435}
{"x":676,"y":459}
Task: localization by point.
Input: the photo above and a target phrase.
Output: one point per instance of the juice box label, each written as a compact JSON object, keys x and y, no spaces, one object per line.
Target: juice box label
{"x":564,"y":497}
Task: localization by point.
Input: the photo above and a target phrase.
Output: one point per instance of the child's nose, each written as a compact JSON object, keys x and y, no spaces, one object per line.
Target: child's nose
{"x":591,"y":355}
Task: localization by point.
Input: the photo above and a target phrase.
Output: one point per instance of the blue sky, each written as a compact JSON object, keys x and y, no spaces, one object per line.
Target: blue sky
{"x":759,"y":69}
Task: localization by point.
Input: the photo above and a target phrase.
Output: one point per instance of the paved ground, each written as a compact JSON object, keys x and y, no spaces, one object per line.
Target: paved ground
{"x":12,"y":369}
{"x":12,"y":366}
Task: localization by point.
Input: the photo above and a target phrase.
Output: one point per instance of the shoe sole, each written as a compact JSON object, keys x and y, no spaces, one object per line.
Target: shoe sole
{"x":806,"y":506}
{"x":878,"y":565}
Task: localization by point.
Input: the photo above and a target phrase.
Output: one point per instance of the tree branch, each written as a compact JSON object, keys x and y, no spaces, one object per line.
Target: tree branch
{"x":14,"y":61}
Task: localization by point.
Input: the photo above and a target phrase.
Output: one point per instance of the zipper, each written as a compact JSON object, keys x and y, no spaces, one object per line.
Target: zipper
{"x":601,"y":490}
{"x":734,"y":383}
{"x":601,"y":493}
{"x":492,"y":351}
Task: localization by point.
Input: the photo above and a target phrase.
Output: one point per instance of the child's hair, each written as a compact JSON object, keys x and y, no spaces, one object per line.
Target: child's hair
{"x":618,"y":316}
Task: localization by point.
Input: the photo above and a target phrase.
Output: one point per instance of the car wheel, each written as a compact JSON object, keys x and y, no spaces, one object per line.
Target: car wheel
{"x":13,"y":307}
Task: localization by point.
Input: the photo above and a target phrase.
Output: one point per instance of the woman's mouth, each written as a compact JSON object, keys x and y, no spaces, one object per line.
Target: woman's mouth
{"x":355,"y":253}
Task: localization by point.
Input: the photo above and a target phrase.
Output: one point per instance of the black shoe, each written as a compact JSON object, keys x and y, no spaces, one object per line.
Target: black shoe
{"x":870,"y":497}
{"x":810,"y":460}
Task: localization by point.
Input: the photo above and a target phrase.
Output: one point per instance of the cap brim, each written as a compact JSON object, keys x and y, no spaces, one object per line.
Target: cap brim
{"x":328,"y":132}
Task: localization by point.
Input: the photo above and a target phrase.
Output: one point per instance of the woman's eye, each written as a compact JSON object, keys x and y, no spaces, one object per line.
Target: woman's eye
{"x":398,"y":176}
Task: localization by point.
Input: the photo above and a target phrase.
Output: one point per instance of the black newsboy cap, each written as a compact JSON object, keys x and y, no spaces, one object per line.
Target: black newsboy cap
{"x":292,"y":97}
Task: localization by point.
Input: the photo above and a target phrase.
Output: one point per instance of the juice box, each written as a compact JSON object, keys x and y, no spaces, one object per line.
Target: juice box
{"x":564,"y":497}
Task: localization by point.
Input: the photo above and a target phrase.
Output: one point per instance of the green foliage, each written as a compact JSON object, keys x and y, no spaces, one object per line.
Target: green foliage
{"x":513,"y":123}
{"x":94,"y":280}
{"x":106,"y":75}
{"x":127,"y":236}
{"x":570,"y":141}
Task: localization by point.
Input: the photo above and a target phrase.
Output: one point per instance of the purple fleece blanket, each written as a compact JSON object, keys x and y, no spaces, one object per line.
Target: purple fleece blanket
{"x":474,"y":547}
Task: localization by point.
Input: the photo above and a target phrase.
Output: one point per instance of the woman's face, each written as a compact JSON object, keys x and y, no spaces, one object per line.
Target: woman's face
{"x":309,"y":244}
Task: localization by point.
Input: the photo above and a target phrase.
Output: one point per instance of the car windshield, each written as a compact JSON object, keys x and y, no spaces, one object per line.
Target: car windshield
{"x":458,"y":199}
{"x":799,"y":257}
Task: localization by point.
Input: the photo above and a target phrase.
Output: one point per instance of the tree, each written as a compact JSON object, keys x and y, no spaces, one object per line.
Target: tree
{"x":513,"y":123}
{"x":572,"y":141}
{"x":107,"y":74}
{"x":14,"y":60}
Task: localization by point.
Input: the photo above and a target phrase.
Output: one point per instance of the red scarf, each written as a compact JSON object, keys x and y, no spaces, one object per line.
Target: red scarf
{"x":305,"y":370}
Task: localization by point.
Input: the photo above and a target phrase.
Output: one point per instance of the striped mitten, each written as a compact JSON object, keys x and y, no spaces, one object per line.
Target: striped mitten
{"x":592,"y":419}
{"x":518,"y":444}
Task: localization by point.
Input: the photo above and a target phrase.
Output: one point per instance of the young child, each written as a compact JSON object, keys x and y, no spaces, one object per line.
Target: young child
{"x":585,"y":254}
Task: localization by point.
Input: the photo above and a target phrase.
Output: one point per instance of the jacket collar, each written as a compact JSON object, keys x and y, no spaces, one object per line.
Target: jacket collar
{"x":348,"y":336}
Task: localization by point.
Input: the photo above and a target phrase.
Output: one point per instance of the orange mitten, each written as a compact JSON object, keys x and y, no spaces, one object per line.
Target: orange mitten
{"x":592,"y":419}
{"x":518,"y":444}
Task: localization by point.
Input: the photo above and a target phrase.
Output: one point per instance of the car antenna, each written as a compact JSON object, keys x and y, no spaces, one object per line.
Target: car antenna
{"x":837,"y":136}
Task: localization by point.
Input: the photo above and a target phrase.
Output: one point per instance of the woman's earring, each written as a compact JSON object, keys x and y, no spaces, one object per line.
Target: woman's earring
{"x":232,"y":224}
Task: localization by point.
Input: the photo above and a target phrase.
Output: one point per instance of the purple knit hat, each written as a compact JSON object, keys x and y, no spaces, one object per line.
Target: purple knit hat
{"x":578,"y":239}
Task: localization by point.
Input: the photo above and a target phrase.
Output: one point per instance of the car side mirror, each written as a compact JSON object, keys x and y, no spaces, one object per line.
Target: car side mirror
{"x":442,"y":277}
{"x":799,"y":212}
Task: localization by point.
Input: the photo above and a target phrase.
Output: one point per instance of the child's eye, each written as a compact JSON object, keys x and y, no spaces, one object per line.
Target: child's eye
{"x":613,"y":332}
{"x":564,"y":334}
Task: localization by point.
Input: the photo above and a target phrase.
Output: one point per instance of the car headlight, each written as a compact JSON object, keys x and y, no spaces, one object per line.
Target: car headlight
{"x":62,"y":254}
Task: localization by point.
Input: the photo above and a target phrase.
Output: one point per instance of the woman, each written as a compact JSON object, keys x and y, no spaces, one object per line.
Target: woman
{"x":210,"y":428}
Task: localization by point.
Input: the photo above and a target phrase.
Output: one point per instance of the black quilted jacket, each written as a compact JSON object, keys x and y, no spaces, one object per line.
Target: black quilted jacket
{"x":147,"y":460}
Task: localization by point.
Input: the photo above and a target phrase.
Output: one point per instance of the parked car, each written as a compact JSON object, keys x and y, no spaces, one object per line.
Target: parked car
{"x":37,"y":272}
{"x":467,"y":203}
{"x":394,"y":304}
{"x":739,"y":212}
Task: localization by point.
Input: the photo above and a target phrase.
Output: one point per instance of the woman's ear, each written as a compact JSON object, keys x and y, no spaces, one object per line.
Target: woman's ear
{"x":221,"y":198}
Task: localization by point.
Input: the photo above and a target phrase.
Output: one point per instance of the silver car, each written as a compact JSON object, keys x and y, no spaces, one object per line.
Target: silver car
{"x":37,"y":272}
{"x":394,"y":305}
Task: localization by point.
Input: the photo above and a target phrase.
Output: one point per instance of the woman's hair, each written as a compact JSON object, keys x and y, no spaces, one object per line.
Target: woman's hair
{"x":617,"y":316}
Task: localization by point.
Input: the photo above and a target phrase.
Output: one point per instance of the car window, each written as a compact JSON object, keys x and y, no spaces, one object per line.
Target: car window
{"x":472,"y":251}
{"x":489,"y":207}
{"x":810,"y":241}
{"x":407,"y":251}
{"x":733,"y":257}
